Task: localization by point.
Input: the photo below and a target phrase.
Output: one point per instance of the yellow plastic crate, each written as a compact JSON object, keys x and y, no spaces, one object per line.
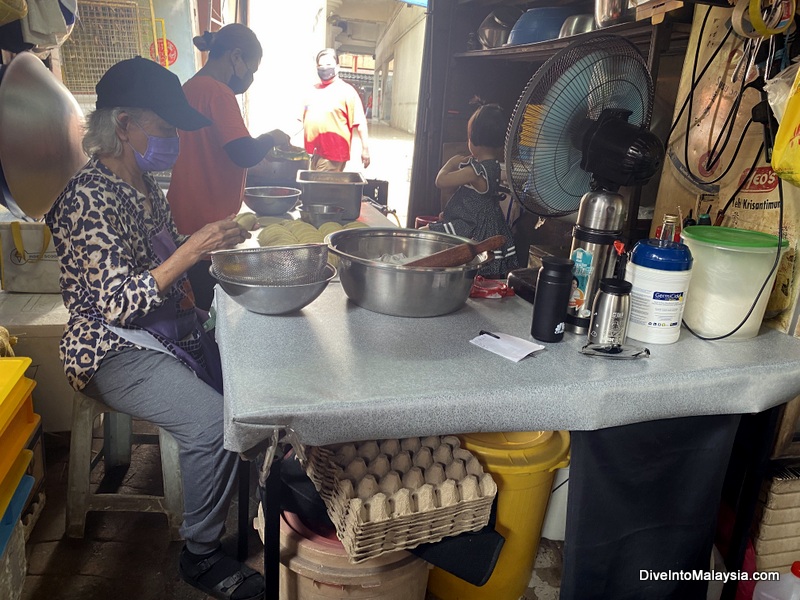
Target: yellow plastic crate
{"x":11,"y":370}
{"x":17,"y":419}
{"x":10,"y":482}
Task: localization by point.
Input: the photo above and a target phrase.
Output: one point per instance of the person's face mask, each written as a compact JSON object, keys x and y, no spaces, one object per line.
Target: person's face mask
{"x":326,"y":73}
{"x":240,"y":85}
{"x":161,"y":152}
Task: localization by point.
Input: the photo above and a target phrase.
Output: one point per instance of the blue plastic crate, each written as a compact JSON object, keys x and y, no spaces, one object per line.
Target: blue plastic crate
{"x":14,"y":511}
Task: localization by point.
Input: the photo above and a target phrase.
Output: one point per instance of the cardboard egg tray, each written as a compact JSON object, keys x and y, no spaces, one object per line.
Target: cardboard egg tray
{"x":396,"y":494}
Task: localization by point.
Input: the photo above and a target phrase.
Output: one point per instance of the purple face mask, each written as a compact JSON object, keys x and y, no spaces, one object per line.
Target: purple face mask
{"x":161,"y":152}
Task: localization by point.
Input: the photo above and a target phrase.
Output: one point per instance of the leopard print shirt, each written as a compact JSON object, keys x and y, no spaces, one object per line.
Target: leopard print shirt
{"x":102,"y":235}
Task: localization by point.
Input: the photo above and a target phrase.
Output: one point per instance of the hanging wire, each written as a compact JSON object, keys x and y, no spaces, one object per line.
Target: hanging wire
{"x":696,"y":81}
{"x":727,"y":128}
{"x":734,"y":107}
{"x":735,"y":155}
{"x":749,"y":53}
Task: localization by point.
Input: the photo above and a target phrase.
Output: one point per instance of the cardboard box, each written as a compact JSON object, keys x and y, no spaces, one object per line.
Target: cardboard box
{"x":777,"y":534}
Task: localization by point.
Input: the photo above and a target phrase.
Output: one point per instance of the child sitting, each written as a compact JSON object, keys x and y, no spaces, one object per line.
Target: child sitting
{"x":474,"y":210}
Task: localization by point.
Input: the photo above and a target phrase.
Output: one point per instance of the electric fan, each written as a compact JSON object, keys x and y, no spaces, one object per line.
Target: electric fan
{"x":579,"y":133}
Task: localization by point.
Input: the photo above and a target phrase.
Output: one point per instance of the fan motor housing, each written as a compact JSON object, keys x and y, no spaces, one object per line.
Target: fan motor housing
{"x":618,"y":153}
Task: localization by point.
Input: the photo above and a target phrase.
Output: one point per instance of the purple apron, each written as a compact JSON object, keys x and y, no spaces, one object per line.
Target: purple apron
{"x":173,"y":325}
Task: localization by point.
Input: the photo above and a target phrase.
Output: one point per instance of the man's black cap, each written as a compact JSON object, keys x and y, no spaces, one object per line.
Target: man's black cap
{"x":141,"y":83}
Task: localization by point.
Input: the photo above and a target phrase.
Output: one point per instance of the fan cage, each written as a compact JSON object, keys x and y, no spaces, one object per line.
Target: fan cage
{"x":579,"y":82}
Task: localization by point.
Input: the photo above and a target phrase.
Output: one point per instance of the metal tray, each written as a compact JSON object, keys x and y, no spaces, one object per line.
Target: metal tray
{"x":343,"y":189}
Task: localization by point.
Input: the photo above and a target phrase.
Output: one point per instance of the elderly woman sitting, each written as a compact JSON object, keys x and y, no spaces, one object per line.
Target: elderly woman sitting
{"x":134,"y":339}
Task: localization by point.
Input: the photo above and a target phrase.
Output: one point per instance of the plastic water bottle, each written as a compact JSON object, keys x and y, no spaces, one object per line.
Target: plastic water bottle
{"x":788,"y":588}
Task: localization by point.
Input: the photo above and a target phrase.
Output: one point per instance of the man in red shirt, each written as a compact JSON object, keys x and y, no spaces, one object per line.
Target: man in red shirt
{"x":331,"y":116}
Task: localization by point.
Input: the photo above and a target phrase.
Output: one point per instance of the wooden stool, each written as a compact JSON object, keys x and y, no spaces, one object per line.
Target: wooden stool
{"x":116,"y":451}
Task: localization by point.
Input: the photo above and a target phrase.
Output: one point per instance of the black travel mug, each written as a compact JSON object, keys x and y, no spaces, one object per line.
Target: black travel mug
{"x":553,"y":289}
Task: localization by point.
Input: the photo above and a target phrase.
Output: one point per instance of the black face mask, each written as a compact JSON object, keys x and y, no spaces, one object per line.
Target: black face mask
{"x":239,"y":85}
{"x":326,"y":73}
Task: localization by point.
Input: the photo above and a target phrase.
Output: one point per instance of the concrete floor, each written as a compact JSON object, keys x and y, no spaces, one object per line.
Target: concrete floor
{"x":128,"y":556}
{"x":122,"y":556}
{"x":391,"y":153}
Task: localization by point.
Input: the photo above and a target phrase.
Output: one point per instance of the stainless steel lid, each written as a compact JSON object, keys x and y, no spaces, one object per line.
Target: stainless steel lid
{"x":601,"y":211}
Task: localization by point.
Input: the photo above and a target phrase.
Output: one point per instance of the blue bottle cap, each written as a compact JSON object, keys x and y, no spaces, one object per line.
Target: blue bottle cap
{"x":662,"y":254}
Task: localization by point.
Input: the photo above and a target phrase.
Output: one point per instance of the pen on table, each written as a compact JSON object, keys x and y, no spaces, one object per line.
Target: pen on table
{"x":489,"y":333}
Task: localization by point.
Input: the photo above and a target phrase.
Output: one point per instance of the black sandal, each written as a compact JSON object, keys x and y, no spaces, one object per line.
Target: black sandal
{"x":193,"y":573}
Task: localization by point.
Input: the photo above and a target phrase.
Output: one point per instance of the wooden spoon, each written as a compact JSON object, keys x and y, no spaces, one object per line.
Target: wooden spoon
{"x":458,"y":255}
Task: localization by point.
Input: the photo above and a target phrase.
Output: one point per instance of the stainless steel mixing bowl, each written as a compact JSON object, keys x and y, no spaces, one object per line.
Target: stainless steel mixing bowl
{"x":394,"y":289}
{"x":275,"y":299}
{"x":271,"y":201}
{"x":271,"y":265}
{"x":318,"y":214}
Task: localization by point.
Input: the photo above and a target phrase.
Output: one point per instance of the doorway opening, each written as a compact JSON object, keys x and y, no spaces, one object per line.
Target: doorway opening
{"x":378,"y":42}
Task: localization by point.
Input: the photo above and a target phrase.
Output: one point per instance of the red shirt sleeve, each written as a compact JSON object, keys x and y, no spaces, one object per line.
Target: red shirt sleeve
{"x":221,"y":107}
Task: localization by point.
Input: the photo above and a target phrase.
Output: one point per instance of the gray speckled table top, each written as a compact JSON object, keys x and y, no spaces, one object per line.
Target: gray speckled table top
{"x":336,"y":372}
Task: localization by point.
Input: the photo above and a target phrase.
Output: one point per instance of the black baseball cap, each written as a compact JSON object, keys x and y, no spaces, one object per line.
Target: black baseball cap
{"x":142,"y":83}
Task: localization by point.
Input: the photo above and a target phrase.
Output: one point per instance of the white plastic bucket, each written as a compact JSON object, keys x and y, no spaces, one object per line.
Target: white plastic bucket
{"x":316,"y":567}
{"x":730,"y":268}
{"x":659,"y":273}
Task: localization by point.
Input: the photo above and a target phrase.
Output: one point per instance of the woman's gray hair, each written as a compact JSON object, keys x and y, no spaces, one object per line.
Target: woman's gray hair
{"x":100,"y":138}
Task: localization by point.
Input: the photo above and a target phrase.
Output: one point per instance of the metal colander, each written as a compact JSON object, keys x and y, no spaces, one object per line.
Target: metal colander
{"x":274,"y":265}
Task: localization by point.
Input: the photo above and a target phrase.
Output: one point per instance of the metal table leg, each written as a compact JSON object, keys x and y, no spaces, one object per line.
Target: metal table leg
{"x":243,"y":473}
{"x":271,"y":504}
{"x":269,"y":483}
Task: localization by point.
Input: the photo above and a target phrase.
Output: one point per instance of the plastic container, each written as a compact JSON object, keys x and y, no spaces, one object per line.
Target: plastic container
{"x":17,"y":419}
{"x":538,"y":24}
{"x":315,"y":566}
{"x":730,"y":268}
{"x":660,"y":272}
{"x":788,"y":588}
{"x":16,"y":503}
{"x":523,"y":465}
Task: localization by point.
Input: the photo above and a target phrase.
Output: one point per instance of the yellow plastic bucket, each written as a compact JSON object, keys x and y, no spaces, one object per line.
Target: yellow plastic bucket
{"x":522,"y":464}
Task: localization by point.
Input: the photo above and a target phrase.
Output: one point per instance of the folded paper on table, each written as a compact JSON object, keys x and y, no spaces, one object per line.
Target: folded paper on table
{"x":507,"y":346}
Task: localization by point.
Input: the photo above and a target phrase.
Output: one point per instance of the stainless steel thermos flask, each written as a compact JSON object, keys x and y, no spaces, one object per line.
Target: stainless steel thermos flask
{"x":553,"y":288}
{"x":610,"y":313}
{"x":600,"y":219}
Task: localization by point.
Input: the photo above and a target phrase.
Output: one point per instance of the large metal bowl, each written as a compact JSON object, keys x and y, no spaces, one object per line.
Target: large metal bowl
{"x":274,"y":299}
{"x":272,"y":265}
{"x":271,"y":201}
{"x":394,"y":289}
